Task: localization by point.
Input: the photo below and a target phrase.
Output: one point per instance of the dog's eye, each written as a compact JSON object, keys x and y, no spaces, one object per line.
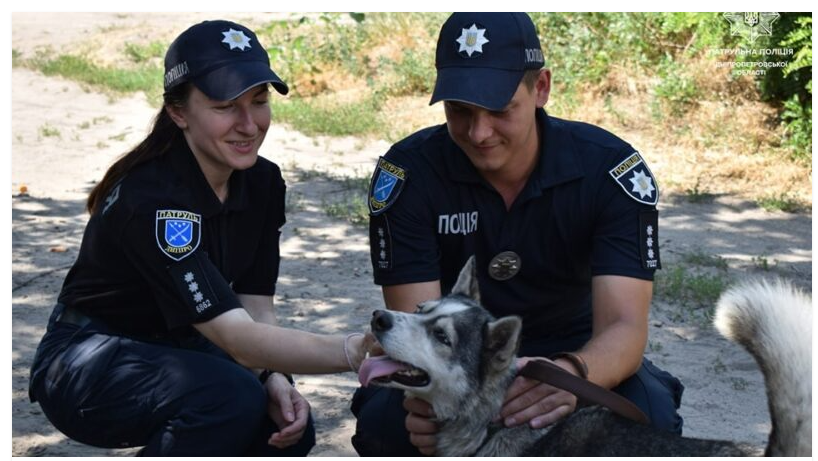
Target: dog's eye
{"x":441,"y":336}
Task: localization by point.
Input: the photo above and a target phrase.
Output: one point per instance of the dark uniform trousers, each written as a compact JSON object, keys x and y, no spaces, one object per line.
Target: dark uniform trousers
{"x":381,"y":431}
{"x":183,"y":400}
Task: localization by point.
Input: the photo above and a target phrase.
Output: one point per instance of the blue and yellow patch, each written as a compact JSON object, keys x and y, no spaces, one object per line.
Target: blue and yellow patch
{"x":387,"y":183}
{"x":635,"y":178}
{"x":178,"y":233}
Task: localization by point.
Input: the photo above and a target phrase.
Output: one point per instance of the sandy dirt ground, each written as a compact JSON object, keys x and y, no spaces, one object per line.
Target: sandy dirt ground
{"x":326,"y":282}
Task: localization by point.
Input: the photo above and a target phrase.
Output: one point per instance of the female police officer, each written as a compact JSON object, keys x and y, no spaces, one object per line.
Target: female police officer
{"x":169,"y":305}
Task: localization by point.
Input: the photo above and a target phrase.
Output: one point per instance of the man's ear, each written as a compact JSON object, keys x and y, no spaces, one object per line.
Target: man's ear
{"x":543,"y":87}
{"x":176,"y":114}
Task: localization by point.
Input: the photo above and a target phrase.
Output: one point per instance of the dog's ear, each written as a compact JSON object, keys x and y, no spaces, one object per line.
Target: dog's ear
{"x":466,"y":284}
{"x":502,"y":341}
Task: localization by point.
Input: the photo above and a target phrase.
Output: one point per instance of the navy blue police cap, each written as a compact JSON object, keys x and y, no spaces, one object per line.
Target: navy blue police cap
{"x":221,"y":58}
{"x":481,"y":57}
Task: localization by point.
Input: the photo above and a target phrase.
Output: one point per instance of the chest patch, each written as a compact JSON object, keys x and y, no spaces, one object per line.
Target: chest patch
{"x":386,"y":184}
{"x":178,"y":233}
{"x":635,"y":178}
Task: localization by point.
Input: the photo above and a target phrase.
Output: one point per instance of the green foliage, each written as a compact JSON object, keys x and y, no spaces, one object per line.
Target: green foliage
{"x":147,"y":79}
{"x":697,"y":194}
{"x":388,"y":55}
{"x":791,"y":30}
{"x":16,"y":57}
{"x":144,"y":53}
{"x":762,"y":263}
{"x":695,"y":289}
{"x":583,"y":48}
{"x":412,"y":75}
{"x":336,"y":119}
{"x":797,"y":120}
{"x":780,"y":202}
{"x":797,"y":113}
{"x":48,"y":131}
{"x":676,"y":92}
{"x":700,"y":258}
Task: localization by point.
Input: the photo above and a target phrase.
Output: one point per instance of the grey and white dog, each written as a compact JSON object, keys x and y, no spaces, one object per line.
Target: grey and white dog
{"x":456,"y":356}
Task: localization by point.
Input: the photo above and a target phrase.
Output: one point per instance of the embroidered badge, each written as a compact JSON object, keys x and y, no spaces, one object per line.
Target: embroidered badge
{"x":178,"y":232}
{"x":649,"y":239}
{"x":236,"y":39}
{"x":386,"y":184}
{"x":471,"y":41}
{"x":635,"y":178}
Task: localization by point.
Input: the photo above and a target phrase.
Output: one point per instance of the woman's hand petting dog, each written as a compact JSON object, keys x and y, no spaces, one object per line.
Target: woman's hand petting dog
{"x":288,"y":409}
{"x":422,"y":429}
{"x":538,"y":404}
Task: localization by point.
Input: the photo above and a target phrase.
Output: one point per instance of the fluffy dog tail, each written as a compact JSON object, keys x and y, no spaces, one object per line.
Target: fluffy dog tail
{"x":773,"y":321}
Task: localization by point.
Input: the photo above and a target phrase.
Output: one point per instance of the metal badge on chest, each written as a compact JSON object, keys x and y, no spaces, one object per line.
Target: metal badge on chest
{"x":505,"y":265}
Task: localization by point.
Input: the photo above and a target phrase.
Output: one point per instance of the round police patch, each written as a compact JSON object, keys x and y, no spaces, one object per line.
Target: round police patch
{"x":387,"y":182}
{"x":178,"y":232}
{"x":635,"y":178}
{"x":504,"y":265}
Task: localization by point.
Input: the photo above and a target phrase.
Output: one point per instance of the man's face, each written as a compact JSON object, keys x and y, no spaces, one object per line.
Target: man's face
{"x":494,"y":141}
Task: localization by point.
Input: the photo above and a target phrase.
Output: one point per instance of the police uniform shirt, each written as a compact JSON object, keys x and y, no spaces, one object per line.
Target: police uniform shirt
{"x":587,"y":209}
{"x":162,"y":252}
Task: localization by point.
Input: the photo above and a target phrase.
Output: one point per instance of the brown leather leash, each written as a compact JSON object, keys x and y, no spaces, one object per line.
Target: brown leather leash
{"x":585,"y":390}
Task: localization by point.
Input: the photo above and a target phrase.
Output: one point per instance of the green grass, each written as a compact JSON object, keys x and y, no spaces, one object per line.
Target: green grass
{"x":780,"y":202}
{"x":48,"y":131}
{"x":695,"y":290}
{"x":80,"y":69}
{"x":696,"y":194}
{"x":351,"y":203}
{"x":699,"y":257}
{"x":334,"y":119}
{"x":349,"y":207}
{"x":762,"y":263}
{"x":145,"y":53}
{"x":348,"y":201}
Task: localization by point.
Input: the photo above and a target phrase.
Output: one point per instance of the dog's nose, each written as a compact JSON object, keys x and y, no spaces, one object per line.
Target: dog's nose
{"x":381,"y":320}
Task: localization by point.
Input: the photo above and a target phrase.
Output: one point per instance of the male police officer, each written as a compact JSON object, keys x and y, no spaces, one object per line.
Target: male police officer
{"x":561,"y":216}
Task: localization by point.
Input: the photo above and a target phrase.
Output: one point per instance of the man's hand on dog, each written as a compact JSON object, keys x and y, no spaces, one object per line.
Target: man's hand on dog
{"x":422,"y":429}
{"x":535,"y":403}
{"x":288,"y":409}
{"x":527,"y":402}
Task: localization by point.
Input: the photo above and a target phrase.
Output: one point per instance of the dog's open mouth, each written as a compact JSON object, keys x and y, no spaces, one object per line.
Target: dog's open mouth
{"x":383,"y":370}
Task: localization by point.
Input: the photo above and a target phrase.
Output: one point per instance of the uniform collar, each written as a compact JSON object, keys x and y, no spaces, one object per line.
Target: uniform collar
{"x":184,"y":162}
{"x":558,"y":159}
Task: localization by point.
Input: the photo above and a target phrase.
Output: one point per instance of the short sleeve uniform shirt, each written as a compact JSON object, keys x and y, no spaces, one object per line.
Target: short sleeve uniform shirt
{"x":587,"y":209}
{"x":162,"y":252}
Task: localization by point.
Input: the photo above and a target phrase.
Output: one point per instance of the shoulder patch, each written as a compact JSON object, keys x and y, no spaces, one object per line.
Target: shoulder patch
{"x":635,"y":178}
{"x":385,"y":186}
{"x":178,"y":233}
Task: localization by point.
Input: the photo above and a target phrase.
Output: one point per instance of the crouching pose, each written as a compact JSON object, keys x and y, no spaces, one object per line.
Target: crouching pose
{"x":164,"y":332}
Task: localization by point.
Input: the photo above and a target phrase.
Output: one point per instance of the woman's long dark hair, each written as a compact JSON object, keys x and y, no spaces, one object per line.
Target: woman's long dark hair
{"x":162,"y":136}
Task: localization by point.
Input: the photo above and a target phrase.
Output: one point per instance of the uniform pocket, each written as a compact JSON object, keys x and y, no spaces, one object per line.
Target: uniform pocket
{"x":82,"y":364}
{"x":112,"y":424}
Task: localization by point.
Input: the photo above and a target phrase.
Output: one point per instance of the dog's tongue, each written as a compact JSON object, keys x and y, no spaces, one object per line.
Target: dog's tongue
{"x":375,"y":367}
